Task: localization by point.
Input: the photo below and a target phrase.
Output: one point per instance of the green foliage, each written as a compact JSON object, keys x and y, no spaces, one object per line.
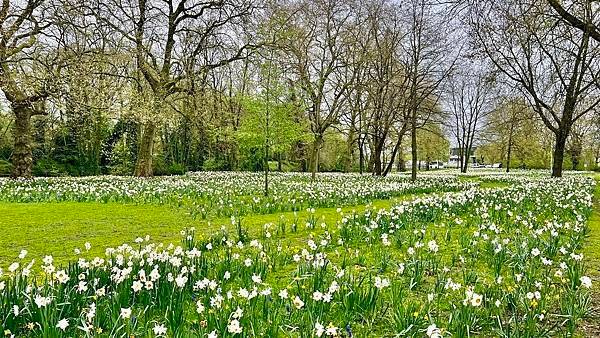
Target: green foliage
{"x":334,"y":153}
{"x":120,"y":159}
{"x":431,"y":143}
{"x":531,"y":142}
{"x":269,"y":123}
{"x":5,"y":168}
{"x":270,"y":120}
{"x":215,"y":164}
{"x":48,"y":167}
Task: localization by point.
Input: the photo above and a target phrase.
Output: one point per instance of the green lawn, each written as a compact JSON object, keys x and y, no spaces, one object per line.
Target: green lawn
{"x":591,"y":327}
{"x":58,"y":228}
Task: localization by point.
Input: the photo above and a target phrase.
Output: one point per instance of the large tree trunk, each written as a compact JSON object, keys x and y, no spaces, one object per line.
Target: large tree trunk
{"x":143,"y":167}
{"x":22,"y":158}
{"x":559,"y":152}
{"x":314,"y":156}
{"x":401,"y":162}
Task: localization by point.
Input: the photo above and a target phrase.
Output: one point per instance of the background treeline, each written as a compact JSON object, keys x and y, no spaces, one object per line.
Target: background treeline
{"x":153,"y":87}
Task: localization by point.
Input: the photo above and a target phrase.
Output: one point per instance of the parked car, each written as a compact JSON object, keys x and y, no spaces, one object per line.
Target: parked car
{"x":436,"y":165}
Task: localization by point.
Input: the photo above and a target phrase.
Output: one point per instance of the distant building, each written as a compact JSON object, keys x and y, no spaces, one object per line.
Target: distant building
{"x":424,"y":165}
{"x":454,"y":160}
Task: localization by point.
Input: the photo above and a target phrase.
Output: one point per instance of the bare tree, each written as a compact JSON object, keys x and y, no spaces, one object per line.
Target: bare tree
{"x":23,"y":80}
{"x":428,"y":62}
{"x":470,"y":101}
{"x":166,"y":35}
{"x":555,"y":65}
{"x":387,"y":82}
{"x":318,"y":52}
{"x":584,"y":23}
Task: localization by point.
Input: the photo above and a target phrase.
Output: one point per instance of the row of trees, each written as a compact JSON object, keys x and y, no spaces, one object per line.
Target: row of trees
{"x":165,"y":86}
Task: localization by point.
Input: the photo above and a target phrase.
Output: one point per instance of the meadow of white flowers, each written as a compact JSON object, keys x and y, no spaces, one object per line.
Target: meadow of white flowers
{"x":467,"y":262}
{"x":221,"y":194}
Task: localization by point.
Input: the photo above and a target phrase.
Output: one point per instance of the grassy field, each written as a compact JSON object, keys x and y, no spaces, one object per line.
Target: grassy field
{"x":591,"y":327}
{"x":58,"y":228}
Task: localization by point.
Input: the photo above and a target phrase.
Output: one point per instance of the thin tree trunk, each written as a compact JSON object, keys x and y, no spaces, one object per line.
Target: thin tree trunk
{"x":509,"y":150}
{"x":314,"y":157}
{"x":397,"y":146}
{"x":361,"y":158}
{"x":467,"y":152}
{"x":401,"y":162}
{"x":279,"y":163}
{"x":143,"y":167}
{"x":350,"y":151}
{"x":266,"y":164}
{"x":461,"y":156}
{"x":377,"y":151}
{"x":413,"y":145}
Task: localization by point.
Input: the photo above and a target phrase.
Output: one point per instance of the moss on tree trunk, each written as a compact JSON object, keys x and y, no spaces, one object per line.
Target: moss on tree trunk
{"x":143,"y":167}
{"x":22,"y":158}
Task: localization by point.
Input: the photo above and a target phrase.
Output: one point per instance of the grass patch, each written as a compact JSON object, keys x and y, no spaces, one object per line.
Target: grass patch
{"x":591,"y":326}
{"x":58,"y":228}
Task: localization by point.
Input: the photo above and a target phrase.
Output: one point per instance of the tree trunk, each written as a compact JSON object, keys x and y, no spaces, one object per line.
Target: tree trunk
{"x":350,"y":151}
{"x":559,"y":152}
{"x":377,"y":151}
{"x":143,"y":167}
{"x":509,"y":150}
{"x":314,"y":156}
{"x":390,"y":164}
{"x":22,"y":158}
{"x":575,"y":153}
{"x":413,"y":145}
{"x":467,"y":157}
{"x":361,"y":158}
{"x":401,"y":162}
{"x":266,"y":164}
{"x":279,"y":163}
